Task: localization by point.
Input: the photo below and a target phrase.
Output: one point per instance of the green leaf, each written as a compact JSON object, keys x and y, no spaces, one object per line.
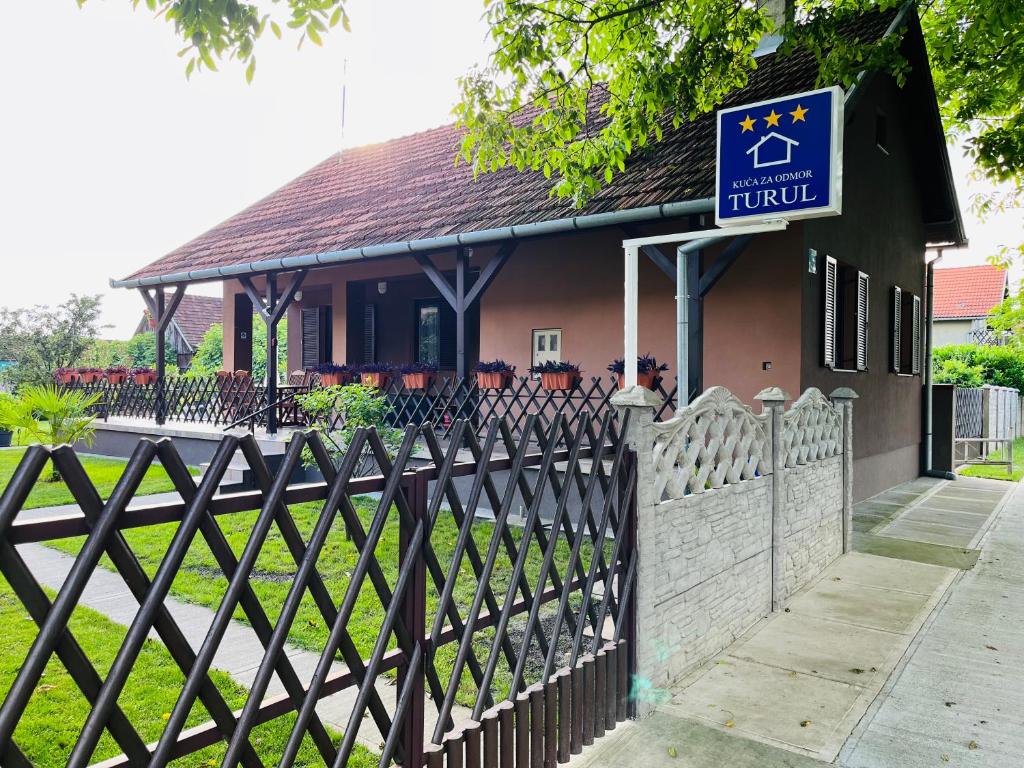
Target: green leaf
{"x":250,"y":70}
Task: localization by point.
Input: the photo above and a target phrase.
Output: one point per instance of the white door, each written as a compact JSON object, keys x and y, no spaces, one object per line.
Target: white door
{"x":547,"y":345}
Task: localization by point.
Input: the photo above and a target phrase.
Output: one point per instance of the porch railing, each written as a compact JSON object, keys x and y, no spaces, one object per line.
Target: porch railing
{"x":446,"y":400}
{"x":542,"y":629}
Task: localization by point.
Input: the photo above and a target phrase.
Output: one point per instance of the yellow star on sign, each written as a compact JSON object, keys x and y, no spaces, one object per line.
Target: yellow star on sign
{"x":798,"y":114}
{"x":773,"y":119}
{"x":748,"y":124}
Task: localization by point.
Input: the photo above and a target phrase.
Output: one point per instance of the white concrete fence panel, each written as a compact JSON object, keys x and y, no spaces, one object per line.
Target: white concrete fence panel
{"x":737,"y":511}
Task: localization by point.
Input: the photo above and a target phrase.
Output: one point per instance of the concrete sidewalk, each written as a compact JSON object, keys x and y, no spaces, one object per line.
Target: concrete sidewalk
{"x":802,"y":680}
{"x":959,"y":698}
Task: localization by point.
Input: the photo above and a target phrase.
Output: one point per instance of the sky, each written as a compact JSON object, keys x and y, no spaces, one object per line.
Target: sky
{"x":110,"y":158}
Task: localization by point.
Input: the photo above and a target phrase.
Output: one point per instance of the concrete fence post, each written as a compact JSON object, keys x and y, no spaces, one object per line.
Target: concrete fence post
{"x":773,"y":399}
{"x":641,"y":403}
{"x":843,"y":398}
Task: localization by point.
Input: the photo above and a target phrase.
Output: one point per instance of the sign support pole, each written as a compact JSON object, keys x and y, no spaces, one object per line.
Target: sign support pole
{"x":631,"y":248}
{"x":631,"y":304}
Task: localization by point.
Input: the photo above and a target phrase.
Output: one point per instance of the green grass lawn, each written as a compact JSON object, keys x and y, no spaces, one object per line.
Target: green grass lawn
{"x":57,"y":709}
{"x":103,"y":471}
{"x":999,"y":472}
{"x":200,"y":581}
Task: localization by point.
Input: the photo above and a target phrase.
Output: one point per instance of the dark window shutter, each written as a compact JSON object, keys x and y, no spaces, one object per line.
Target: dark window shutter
{"x":862,"y":321}
{"x":370,"y":333}
{"x":829,"y":324}
{"x":310,"y":337}
{"x":897,"y":327}
{"x":915,"y":359}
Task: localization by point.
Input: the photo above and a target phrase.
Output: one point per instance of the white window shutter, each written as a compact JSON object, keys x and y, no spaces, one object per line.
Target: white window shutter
{"x":862,"y":321}
{"x":829,"y":325}
{"x":915,"y":358}
{"x":897,"y":323}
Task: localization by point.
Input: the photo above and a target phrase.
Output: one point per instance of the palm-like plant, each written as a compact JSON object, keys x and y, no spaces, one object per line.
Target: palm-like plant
{"x":53,"y":416}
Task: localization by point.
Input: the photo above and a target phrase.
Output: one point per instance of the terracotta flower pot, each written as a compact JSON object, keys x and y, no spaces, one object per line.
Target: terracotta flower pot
{"x":419,"y":380}
{"x":335,"y":378}
{"x":377,"y":379}
{"x":647,"y":379}
{"x":66,"y":377}
{"x":559,"y":381}
{"x":116,"y":378}
{"x":144,"y":379}
{"x":89,"y":377}
{"x":493,"y":379}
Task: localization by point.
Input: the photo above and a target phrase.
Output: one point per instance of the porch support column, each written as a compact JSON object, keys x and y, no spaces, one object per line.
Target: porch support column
{"x":461,"y":263}
{"x":457,"y":296}
{"x":162,"y":314}
{"x":271,"y":309}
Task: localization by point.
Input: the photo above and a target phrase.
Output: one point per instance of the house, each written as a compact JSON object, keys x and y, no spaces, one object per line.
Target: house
{"x":192,"y":319}
{"x":964,"y":297}
{"x":400,"y":255}
{"x":779,"y":151}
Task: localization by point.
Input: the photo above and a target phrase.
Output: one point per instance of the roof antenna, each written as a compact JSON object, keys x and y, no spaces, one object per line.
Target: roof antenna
{"x":344,"y":88}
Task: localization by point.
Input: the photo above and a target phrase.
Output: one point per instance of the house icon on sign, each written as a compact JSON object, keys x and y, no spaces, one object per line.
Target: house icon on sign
{"x":773,"y":149}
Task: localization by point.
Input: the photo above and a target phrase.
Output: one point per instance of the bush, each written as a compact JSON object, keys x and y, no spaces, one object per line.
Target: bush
{"x":961,"y":374}
{"x":1000,"y":366}
{"x":351,"y":406}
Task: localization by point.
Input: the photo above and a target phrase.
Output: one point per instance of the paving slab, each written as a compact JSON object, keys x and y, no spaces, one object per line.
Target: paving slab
{"x":889,"y":610}
{"x":962,"y":558}
{"x":666,"y":741}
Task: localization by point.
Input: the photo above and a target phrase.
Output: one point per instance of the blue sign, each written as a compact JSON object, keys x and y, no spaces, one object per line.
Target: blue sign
{"x":780,"y":159}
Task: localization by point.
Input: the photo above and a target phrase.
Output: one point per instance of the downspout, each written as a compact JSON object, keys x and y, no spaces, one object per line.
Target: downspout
{"x":682,"y":328}
{"x":929,"y":436}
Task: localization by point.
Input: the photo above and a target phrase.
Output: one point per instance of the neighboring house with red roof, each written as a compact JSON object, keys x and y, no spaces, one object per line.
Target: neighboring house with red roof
{"x":191,"y":321}
{"x":964,"y":297}
{"x":400,"y":255}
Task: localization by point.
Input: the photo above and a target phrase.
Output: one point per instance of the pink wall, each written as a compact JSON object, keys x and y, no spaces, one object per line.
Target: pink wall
{"x":575,"y":282}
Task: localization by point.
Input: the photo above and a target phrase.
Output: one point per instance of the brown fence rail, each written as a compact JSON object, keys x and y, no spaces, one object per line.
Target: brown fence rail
{"x":480,"y":606}
{"x":446,"y":400}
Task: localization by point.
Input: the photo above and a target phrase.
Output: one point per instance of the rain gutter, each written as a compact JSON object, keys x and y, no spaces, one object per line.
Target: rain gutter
{"x":479,"y":237}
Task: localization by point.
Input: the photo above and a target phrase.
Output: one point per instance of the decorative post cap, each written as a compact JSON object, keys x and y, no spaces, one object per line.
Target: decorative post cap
{"x":772,"y":395}
{"x":636,"y":396}
{"x":843,"y":393}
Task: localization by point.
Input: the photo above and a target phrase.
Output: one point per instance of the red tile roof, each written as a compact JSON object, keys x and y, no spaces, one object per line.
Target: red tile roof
{"x":411,"y":189}
{"x":194,"y":316}
{"x":963,"y":292}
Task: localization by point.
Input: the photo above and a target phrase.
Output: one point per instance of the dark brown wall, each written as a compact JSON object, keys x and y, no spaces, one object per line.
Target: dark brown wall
{"x":881,"y":233}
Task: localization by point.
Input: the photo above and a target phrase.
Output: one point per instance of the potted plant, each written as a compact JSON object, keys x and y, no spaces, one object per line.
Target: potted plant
{"x":557,"y":376}
{"x":418,"y":375}
{"x":648,"y":371}
{"x":332,"y":374}
{"x":143,"y":376}
{"x":494,"y":374}
{"x":376,"y":374}
{"x":66,"y":375}
{"x":8,"y":418}
{"x":89,"y":375}
{"x":116,"y":374}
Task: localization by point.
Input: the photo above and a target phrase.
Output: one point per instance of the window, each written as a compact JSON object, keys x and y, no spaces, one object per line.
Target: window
{"x":906,"y":332}
{"x":316,"y":335}
{"x":845,"y":325}
{"x":547,"y":345}
{"x":435,"y":329}
{"x":370,"y":333}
